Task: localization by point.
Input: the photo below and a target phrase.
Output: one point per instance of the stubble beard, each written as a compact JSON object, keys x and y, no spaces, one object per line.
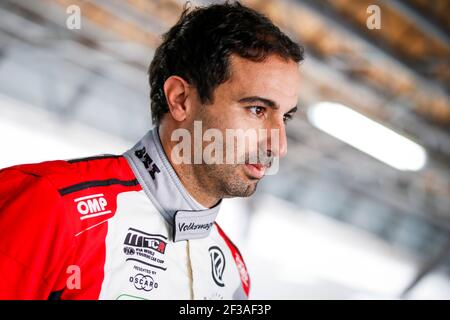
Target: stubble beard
{"x":226,"y":180}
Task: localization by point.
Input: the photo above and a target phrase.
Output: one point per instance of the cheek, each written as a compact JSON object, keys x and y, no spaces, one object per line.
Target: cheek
{"x":221,"y":121}
{"x":223,"y":115}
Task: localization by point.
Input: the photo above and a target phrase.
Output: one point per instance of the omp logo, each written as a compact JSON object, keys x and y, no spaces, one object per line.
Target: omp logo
{"x":92,"y":206}
{"x":143,"y":282}
{"x":141,"y":239}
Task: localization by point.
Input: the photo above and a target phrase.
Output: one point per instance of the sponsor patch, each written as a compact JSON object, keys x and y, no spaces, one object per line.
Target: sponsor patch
{"x":192,"y":226}
{"x":145,"y":248}
{"x":217,"y":265}
{"x":91,"y":206}
{"x":151,"y":167}
{"x":137,"y":238}
{"x":143,"y":282}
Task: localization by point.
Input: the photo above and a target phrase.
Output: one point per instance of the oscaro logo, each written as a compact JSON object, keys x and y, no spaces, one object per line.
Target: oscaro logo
{"x":143,"y":282}
{"x":92,"y":206}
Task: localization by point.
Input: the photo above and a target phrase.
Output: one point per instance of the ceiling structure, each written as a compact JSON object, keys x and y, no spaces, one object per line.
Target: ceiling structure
{"x":398,"y":75}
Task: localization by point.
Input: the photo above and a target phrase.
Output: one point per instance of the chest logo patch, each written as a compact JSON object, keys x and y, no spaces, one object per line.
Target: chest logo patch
{"x":139,"y":239}
{"x":92,"y":206}
{"x":217,"y":265}
{"x":145,"y":248}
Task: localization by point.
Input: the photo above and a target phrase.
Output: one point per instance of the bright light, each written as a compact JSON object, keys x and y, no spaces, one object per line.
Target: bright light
{"x":367,"y":136}
{"x":29,"y":134}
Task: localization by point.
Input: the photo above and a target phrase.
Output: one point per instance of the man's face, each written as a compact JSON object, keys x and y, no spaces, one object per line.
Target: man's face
{"x":259,"y":97}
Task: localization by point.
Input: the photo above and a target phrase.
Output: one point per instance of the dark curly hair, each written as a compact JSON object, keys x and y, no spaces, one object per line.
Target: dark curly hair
{"x":198,"y":46}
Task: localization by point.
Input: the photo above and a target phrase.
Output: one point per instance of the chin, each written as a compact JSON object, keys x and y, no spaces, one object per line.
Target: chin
{"x":236,"y":183}
{"x":241,"y":188}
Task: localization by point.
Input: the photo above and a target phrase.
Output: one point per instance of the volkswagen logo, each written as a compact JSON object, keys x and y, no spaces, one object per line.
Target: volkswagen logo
{"x":217,"y":265}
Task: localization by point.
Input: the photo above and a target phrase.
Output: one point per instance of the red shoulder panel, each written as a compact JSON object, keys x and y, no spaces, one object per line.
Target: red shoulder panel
{"x":245,"y":278}
{"x":53,"y":214}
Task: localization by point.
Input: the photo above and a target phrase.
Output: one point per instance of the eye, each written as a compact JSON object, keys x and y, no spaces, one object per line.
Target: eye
{"x":257,"y":110}
{"x":287,"y":117}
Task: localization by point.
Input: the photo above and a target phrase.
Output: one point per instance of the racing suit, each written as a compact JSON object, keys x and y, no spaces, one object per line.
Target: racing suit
{"x":112,"y":227}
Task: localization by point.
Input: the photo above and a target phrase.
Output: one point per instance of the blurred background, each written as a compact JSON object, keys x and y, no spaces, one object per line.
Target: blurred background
{"x":361,"y":206}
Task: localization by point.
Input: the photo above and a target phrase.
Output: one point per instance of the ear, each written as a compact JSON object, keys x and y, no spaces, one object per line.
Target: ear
{"x":177,"y":91}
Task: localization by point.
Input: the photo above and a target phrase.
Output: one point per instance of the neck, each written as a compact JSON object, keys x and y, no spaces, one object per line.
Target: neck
{"x":186,"y":172}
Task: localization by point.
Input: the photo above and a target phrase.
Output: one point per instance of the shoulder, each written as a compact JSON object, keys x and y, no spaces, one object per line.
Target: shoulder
{"x":68,"y":176}
{"x":63,"y":173}
{"x":85,"y":188}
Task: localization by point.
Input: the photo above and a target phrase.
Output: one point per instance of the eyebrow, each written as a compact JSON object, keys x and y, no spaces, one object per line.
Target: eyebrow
{"x":267,"y":102}
{"x":293,"y":110}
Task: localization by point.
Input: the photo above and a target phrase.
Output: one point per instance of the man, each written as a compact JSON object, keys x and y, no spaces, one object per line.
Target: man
{"x":141,"y":225}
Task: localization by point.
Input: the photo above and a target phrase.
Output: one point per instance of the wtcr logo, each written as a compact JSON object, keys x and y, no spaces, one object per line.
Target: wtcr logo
{"x":141,"y":239}
{"x":92,"y":206}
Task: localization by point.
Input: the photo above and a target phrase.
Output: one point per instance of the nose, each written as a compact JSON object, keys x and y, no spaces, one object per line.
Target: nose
{"x":277,"y":144}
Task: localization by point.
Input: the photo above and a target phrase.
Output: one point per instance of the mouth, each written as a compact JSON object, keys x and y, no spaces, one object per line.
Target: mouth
{"x":256,"y":170}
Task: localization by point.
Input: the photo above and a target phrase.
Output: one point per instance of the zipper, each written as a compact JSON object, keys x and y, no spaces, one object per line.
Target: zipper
{"x":190,"y":273}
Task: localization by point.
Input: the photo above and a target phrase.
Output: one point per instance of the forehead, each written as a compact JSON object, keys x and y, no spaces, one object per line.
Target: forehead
{"x":274,"y":78}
